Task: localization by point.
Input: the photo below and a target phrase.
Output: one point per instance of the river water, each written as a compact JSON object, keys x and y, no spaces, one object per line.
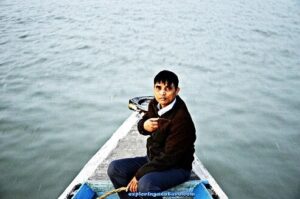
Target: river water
{"x":68,"y":68}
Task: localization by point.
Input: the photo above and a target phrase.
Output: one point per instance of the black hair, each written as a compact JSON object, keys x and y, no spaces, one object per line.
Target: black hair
{"x":166,"y":77}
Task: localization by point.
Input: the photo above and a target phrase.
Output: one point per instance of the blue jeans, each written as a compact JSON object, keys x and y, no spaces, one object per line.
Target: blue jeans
{"x":122,"y":171}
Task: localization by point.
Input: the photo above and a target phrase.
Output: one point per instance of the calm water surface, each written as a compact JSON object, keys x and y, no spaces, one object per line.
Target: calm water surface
{"x":68,"y":68}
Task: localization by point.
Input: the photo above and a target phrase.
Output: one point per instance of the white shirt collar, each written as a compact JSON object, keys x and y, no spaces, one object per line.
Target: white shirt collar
{"x":165,"y":109}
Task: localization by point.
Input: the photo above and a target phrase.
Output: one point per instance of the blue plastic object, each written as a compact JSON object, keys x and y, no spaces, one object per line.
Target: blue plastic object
{"x":201,"y":192}
{"x":85,"y":192}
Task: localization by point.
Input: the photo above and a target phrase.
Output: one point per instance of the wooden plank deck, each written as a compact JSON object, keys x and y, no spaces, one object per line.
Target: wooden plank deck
{"x":133,"y":144}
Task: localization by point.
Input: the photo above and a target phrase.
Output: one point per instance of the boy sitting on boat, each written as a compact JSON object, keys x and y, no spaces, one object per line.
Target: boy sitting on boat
{"x":170,"y":146}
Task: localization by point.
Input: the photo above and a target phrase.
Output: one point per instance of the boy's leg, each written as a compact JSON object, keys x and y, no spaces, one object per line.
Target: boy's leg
{"x":122,"y":171}
{"x":160,"y":181}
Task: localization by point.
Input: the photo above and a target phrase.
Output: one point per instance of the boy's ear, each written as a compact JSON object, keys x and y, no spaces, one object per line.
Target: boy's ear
{"x":177,"y":90}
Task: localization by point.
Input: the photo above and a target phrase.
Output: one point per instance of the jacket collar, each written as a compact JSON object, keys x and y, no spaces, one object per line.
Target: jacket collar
{"x":170,"y":112}
{"x":162,"y":111}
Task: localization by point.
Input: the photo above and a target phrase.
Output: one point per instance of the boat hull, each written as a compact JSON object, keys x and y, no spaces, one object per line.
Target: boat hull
{"x":127,"y":136}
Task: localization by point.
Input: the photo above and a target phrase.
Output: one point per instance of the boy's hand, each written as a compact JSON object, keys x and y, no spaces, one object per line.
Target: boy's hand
{"x":151,"y":124}
{"x":133,"y":185}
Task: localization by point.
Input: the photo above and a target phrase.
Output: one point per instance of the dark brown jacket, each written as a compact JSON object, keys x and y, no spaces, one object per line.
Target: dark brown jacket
{"x":172,"y":145}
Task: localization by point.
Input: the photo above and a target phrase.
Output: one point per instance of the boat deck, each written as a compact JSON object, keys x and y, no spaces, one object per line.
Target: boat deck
{"x":132,"y":145}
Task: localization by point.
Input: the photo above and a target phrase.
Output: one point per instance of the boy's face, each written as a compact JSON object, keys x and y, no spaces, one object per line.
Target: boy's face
{"x":164,"y":93}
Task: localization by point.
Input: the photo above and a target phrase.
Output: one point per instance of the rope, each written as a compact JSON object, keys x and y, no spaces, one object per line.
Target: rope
{"x":112,"y":192}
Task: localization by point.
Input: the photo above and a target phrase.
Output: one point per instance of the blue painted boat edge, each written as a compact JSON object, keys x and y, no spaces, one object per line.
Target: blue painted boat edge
{"x":195,"y":188}
{"x":85,"y":192}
